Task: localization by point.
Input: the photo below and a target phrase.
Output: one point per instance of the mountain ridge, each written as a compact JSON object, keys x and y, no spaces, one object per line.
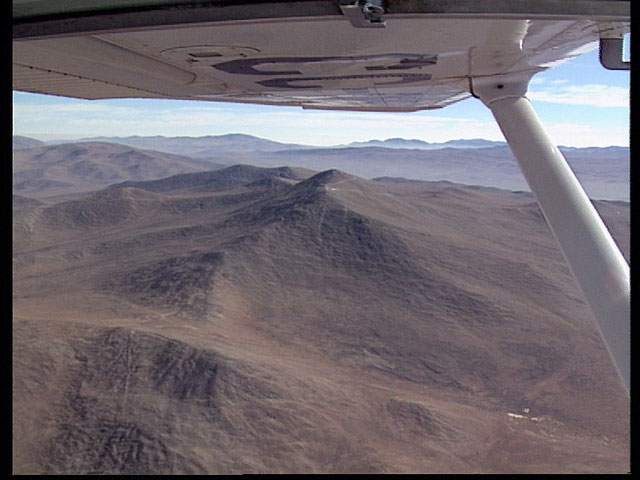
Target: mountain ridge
{"x":223,"y":178}
{"x":604,"y":172}
{"x":20,"y":142}
{"x":82,"y":167}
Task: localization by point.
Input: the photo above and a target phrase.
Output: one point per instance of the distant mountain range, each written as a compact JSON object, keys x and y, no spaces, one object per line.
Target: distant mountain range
{"x":604,"y":172}
{"x":422,"y":145}
{"x":200,"y":147}
{"x":203,"y":147}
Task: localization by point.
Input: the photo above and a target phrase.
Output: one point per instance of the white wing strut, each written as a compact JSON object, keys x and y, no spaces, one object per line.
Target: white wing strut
{"x":594,"y":258}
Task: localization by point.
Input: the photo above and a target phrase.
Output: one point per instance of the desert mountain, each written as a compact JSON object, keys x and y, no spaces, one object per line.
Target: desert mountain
{"x":225,"y":178}
{"x":82,"y":167}
{"x":20,"y":142}
{"x":268,"y":320}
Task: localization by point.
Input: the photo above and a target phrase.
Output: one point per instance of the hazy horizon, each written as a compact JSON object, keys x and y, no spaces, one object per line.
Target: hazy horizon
{"x":47,"y":138}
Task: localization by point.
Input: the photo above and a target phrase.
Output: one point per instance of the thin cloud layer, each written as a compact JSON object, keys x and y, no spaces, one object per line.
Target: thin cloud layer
{"x":592,"y":95}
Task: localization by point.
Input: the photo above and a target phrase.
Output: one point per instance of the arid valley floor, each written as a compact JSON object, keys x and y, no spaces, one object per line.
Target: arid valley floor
{"x":282,"y":320}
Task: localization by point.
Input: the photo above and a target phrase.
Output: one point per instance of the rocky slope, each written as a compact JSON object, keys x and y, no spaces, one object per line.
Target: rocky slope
{"x":256,"y":321}
{"x":69,"y":168}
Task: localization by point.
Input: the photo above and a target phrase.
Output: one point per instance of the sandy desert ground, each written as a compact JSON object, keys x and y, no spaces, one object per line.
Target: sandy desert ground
{"x":261,"y":320}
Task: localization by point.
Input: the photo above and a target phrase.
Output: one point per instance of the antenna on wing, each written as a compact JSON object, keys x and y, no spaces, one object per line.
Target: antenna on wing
{"x":364,"y":13}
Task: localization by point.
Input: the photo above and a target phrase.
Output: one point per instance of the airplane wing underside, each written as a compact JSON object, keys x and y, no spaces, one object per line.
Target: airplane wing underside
{"x":320,"y":60}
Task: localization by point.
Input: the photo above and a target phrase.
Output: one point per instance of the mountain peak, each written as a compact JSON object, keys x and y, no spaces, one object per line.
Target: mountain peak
{"x":329,"y":177}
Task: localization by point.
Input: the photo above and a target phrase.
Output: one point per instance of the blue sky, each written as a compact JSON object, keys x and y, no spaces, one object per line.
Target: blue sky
{"x":580,"y":103}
